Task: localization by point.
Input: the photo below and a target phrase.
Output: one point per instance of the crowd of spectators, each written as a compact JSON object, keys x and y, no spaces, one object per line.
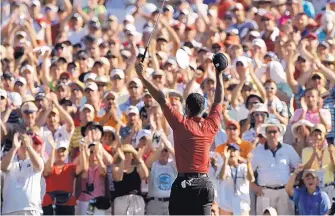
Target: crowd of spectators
{"x":81,"y":134}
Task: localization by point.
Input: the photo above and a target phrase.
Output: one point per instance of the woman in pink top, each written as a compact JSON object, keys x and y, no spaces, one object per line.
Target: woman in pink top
{"x":93,"y":181}
{"x":311,"y":109}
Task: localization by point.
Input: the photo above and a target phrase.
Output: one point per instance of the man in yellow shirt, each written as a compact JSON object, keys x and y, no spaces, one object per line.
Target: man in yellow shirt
{"x":233,"y":134}
{"x":321,"y":158}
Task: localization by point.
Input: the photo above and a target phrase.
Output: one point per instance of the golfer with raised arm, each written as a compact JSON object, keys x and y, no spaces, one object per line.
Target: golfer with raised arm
{"x":192,"y":192}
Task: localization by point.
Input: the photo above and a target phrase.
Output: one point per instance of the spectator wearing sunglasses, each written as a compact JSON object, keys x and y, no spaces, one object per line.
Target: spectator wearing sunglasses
{"x":258,"y":115}
{"x":233,"y":137}
{"x":273,"y":162}
{"x":277,"y":108}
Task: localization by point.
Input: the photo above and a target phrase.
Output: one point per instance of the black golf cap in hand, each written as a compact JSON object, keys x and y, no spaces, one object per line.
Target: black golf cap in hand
{"x":220,"y":62}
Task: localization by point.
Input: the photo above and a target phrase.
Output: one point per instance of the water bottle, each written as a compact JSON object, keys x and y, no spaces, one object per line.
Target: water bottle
{"x":90,"y":208}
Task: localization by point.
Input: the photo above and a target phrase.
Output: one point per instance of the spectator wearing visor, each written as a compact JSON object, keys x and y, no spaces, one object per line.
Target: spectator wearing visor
{"x":309,"y":199}
{"x":321,"y":158}
{"x":234,"y":177}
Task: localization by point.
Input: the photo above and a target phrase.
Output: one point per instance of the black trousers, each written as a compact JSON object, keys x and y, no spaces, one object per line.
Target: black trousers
{"x":195,"y":199}
{"x":60,"y":210}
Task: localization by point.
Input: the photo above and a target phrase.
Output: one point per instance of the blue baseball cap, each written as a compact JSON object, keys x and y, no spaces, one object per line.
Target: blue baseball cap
{"x":233,"y":146}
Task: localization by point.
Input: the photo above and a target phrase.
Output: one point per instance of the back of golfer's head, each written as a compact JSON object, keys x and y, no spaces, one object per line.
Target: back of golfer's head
{"x":195,"y":103}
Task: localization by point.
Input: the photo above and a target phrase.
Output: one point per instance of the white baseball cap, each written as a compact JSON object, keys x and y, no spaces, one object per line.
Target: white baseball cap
{"x":91,"y":76}
{"x":133,"y":109}
{"x":118,"y":72}
{"x":91,"y":85}
{"x":27,"y":67}
{"x":87,"y":106}
{"x":129,"y":18}
{"x":109,"y":129}
{"x":3,"y":93}
{"x":21,"y":79}
{"x":142,"y":133}
{"x":62,"y":143}
{"x":137,"y":81}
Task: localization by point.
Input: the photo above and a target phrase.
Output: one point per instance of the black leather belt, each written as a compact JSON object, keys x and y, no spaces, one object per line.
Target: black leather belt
{"x":192,"y":175}
{"x":164,"y":199}
{"x":274,"y":188}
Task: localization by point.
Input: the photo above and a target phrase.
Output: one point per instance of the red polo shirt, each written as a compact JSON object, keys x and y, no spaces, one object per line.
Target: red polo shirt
{"x":193,"y":138}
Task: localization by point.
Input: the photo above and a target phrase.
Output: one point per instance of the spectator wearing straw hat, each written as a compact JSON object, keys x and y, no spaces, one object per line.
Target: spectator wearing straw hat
{"x":272,"y":176}
{"x":127,"y":183}
{"x":301,"y":131}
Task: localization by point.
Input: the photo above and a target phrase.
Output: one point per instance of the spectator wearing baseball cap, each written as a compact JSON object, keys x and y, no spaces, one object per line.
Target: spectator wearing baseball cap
{"x":60,"y":132}
{"x":321,"y":158}
{"x":271,"y":32}
{"x":309,"y":199}
{"x":135,"y":88}
{"x":233,"y":137}
{"x":242,"y":23}
{"x":86,"y":114}
{"x":92,"y":96}
{"x":235,"y":177}
{"x":20,"y":86}
{"x":117,"y":78}
{"x":60,"y":177}
{"x":134,"y":125}
{"x":112,"y":116}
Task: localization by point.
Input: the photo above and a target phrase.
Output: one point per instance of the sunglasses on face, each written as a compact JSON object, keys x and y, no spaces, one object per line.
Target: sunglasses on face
{"x":132,"y":87}
{"x":101,"y":85}
{"x":82,"y":59}
{"x":19,"y":84}
{"x":2,"y":98}
{"x":259,"y":114}
{"x":27,"y":112}
{"x":232,"y":128}
{"x":316,"y":78}
{"x":264,"y":20}
{"x":116,"y":78}
{"x":272,"y":132}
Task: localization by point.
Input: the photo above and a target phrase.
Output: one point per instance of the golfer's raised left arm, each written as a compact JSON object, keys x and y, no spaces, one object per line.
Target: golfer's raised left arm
{"x":218,"y":98}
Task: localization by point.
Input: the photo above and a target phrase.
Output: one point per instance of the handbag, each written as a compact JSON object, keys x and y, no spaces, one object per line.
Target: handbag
{"x":102,"y":203}
{"x":60,"y":197}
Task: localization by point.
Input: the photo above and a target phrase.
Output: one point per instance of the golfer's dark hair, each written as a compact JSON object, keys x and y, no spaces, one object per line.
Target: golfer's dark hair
{"x":195,"y":103}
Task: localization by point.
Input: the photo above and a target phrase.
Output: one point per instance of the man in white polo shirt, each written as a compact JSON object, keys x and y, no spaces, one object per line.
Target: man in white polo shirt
{"x":273,"y":162}
{"x":22,"y":168}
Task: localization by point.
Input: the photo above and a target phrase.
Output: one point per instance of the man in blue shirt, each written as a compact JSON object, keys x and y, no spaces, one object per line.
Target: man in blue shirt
{"x":308,"y":199}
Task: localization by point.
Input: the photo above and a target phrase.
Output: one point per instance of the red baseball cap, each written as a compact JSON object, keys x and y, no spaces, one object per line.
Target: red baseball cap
{"x":235,"y":123}
{"x":269,"y":16}
{"x":311,"y":35}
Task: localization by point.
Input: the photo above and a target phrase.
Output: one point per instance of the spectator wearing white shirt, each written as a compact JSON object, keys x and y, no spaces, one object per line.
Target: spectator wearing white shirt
{"x":163,"y":172}
{"x":53,"y":125}
{"x":22,"y":167}
{"x":273,"y":162}
{"x":234,"y":182}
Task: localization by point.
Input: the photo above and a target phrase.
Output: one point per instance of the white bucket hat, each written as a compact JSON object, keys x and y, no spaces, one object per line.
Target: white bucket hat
{"x":301,"y":122}
{"x":275,"y":123}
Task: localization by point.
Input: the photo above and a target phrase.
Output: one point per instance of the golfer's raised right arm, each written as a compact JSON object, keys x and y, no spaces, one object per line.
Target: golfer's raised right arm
{"x":154,"y":91}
